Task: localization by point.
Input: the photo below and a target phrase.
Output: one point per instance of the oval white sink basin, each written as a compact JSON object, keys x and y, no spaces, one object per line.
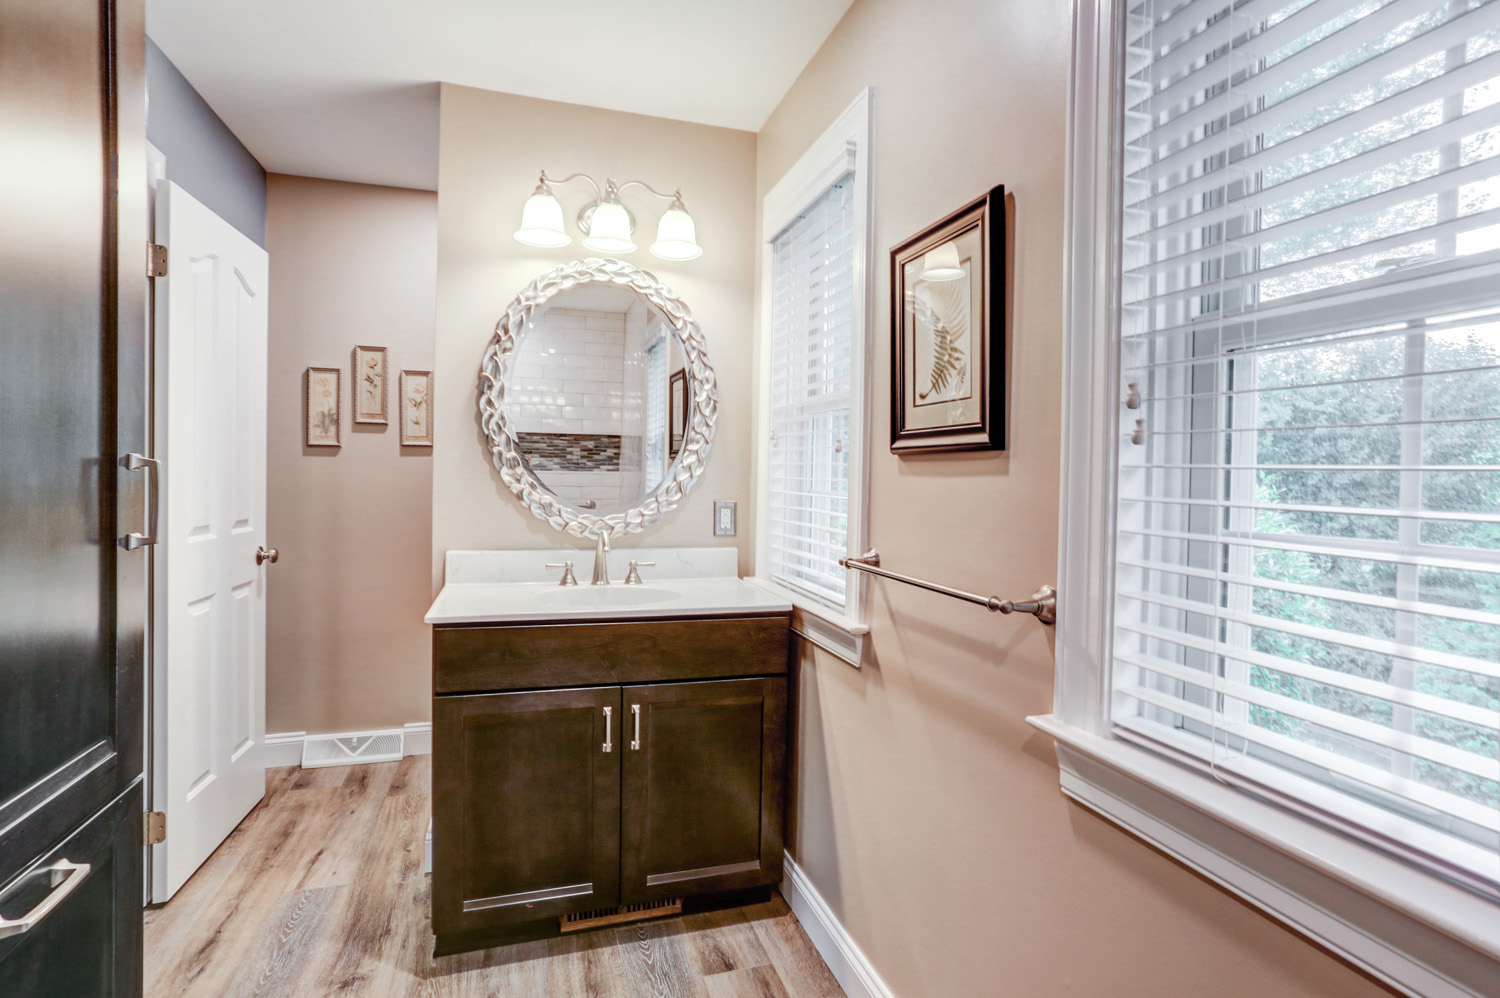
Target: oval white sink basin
{"x":614,"y":597}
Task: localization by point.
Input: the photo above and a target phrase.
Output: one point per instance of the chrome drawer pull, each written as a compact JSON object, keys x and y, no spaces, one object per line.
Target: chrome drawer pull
{"x":65,"y":878}
{"x":635,"y":709}
{"x":608,"y":746}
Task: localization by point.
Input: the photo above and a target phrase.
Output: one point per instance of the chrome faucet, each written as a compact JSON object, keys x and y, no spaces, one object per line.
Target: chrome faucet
{"x":601,"y":560}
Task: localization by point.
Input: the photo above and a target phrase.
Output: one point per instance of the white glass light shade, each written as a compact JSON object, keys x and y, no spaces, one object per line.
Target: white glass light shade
{"x":676,"y":236}
{"x":942,"y":263}
{"x":609,"y":229}
{"x":542,"y":222}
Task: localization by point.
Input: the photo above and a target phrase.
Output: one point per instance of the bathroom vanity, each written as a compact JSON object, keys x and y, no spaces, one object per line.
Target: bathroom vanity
{"x":601,"y":752}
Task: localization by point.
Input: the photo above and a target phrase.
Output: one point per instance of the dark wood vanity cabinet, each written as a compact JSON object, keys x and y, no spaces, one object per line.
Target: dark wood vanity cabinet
{"x":553,"y":801}
{"x":529,"y":804}
{"x":701,"y":789}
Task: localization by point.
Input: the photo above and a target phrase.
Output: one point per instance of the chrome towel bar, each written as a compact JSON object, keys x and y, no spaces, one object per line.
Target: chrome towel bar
{"x":1042,"y":604}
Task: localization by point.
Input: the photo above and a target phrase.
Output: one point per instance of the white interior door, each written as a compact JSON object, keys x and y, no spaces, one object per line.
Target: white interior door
{"x":210,"y":592}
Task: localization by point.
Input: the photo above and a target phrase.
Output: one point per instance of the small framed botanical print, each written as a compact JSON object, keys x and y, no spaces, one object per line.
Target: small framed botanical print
{"x":324,"y":401}
{"x":416,"y":408}
{"x":677,"y":412}
{"x":369,"y":385}
{"x":948,"y":332}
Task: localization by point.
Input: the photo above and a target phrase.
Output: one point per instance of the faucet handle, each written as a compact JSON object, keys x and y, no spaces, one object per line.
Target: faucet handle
{"x":567,"y":576}
{"x":633,"y":577}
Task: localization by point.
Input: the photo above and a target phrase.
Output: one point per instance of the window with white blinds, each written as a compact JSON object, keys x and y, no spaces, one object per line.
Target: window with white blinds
{"x":1307,"y":586}
{"x":812,"y":330}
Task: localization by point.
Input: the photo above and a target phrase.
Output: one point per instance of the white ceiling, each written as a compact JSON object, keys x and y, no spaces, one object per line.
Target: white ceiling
{"x":346,"y":89}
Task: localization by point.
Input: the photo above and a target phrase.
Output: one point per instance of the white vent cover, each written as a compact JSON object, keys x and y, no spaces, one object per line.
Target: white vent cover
{"x":352,"y":748}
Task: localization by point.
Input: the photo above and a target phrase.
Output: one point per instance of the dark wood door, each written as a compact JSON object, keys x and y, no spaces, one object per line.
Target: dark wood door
{"x":526,"y":821}
{"x":89,"y":945}
{"x":703,"y":785}
{"x":73,"y":381}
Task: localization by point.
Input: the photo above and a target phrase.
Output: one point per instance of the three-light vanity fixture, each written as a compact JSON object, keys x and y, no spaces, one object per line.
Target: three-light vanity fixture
{"x":607,"y":225}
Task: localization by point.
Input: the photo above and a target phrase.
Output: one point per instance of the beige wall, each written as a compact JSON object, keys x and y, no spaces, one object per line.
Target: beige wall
{"x":492,"y":147}
{"x":926,"y":811}
{"x":346,"y":648}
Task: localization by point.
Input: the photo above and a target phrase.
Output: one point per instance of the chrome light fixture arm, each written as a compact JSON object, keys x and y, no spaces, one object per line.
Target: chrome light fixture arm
{"x":547,"y":182}
{"x":676,"y":194}
{"x":612,"y":188}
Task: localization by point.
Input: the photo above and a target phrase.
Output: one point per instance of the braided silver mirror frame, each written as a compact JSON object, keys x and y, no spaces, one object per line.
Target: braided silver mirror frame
{"x":703,"y":402}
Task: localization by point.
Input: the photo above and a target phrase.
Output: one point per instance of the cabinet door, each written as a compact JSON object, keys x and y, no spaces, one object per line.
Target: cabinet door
{"x":703,"y":787}
{"x":526,"y":821}
{"x":81,"y":908}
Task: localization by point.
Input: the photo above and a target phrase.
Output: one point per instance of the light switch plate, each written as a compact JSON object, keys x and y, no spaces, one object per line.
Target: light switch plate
{"x":723,"y":518}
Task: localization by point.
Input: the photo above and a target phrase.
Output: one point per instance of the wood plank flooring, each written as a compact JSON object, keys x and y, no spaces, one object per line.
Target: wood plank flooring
{"x":320,"y":892}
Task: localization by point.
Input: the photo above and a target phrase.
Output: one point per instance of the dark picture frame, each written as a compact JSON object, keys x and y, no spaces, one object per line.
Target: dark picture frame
{"x":948,"y":332}
{"x":676,"y":411}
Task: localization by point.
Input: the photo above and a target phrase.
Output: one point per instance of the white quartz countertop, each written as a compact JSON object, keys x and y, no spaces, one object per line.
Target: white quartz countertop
{"x":517,"y":602}
{"x":488,"y":587}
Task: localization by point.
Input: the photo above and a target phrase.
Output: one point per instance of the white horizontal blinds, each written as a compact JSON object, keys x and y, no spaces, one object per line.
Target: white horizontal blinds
{"x":812,"y":286}
{"x":1308,"y":558}
{"x":656,"y":412}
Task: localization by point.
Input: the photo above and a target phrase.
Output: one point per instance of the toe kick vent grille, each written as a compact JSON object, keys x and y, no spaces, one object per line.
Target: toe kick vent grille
{"x":580,"y":920}
{"x":352,"y":748}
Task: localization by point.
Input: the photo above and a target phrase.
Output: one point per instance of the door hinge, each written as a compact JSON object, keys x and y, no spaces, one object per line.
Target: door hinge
{"x":156,"y":262}
{"x":156,"y":828}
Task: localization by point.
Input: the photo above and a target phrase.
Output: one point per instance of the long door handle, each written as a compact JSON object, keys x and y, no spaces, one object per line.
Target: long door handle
{"x":608,"y":744}
{"x":65,"y":878}
{"x":635,"y":710}
{"x":137,"y":462}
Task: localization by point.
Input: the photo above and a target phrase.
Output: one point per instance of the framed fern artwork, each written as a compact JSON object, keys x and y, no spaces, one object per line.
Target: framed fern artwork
{"x":948,"y":332}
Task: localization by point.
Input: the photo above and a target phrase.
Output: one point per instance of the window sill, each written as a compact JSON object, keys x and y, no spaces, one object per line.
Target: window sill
{"x":836,"y":634}
{"x":1421,"y":935}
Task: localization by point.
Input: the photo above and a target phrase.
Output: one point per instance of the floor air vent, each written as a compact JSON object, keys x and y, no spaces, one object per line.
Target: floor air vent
{"x":352,"y":749}
{"x":580,"y":920}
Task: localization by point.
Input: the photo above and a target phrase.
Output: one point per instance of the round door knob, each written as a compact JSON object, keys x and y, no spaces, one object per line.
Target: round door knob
{"x":263,"y":555}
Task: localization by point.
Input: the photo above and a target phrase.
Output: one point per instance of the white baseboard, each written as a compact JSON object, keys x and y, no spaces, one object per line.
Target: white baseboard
{"x":851,"y":968}
{"x":418,"y":738}
{"x":285,"y":747}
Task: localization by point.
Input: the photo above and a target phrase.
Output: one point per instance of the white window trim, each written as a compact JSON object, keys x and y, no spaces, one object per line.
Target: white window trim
{"x":1419,"y":934}
{"x":844,"y":146}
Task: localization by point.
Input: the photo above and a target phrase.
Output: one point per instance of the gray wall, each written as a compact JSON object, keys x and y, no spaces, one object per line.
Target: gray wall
{"x":203,"y":156}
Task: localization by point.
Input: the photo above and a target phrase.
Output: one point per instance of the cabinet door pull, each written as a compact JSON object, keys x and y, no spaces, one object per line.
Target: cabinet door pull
{"x":63,"y":878}
{"x":608,"y":744}
{"x":635,"y":709}
{"x":138,"y":462}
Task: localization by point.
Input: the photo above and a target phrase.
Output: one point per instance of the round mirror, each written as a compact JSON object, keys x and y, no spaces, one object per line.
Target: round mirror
{"x":597,"y":399}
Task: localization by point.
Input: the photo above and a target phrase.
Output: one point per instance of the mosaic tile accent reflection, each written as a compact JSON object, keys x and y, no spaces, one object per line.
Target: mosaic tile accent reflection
{"x":571,"y":451}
